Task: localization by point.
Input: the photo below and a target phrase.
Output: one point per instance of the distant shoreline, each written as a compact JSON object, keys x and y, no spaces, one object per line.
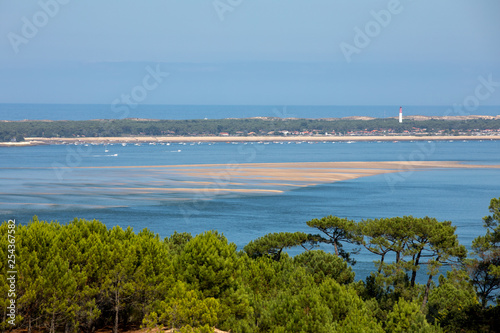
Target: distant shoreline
{"x":247,"y":129}
{"x":176,"y":139}
{"x":365,"y":118}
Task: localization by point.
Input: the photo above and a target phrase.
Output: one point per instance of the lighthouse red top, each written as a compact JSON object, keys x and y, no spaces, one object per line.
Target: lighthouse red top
{"x":400,"y":109}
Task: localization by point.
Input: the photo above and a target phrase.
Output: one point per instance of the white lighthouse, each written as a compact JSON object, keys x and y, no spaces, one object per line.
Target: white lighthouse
{"x":400,"y":114}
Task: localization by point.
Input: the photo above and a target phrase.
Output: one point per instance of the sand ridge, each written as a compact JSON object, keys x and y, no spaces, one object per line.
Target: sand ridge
{"x":254,"y":177}
{"x":130,"y":185}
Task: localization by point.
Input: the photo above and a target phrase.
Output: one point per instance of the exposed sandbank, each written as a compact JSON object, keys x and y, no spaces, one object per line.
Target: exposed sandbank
{"x":258,"y":177}
{"x":128,"y":185}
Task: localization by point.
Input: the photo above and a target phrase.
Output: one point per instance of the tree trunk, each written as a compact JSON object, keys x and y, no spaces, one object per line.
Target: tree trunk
{"x":484,"y":302}
{"x":415,"y":264}
{"x":336,"y":249}
{"x":278,"y":257}
{"x":53,"y":322}
{"x":89,"y":326}
{"x":426,"y":295}
{"x":381,"y":263}
{"x":29,"y":324}
{"x":117,"y":309}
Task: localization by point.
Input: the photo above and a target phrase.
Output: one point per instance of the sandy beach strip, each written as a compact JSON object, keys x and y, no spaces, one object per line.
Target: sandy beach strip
{"x":27,"y":143}
{"x":328,"y":138}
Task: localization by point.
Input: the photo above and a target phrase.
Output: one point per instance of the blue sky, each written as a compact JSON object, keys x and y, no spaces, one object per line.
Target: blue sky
{"x":283,"y":52}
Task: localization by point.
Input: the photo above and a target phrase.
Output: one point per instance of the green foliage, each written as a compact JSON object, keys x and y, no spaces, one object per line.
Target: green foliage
{"x":337,"y":230}
{"x":184,"y":307}
{"x":82,"y":276}
{"x":301,"y":311}
{"x":492,"y":225}
{"x":449,"y":302}
{"x":154,"y":274}
{"x":273,"y":244}
{"x":485,"y":269}
{"x":127,"y":127}
{"x":389,"y":235}
{"x":209,"y":262}
{"x":413,"y":242}
{"x":72,"y":275}
{"x":350,"y":312}
{"x":202,"y":329}
{"x":406,"y":317}
{"x":321,"y":265}
{"x":177,"y":241}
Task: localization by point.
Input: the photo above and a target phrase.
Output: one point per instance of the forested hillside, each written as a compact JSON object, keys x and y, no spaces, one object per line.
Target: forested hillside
{"x":82,"y":276}
{"x":126,"y":127}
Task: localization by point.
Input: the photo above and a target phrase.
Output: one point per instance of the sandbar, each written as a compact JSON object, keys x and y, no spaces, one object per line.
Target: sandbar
{"x":128,"y":185}
{"x":256,"y":177}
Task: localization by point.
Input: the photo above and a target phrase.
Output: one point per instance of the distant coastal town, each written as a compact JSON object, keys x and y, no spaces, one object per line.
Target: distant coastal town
{"x":31,"y":132}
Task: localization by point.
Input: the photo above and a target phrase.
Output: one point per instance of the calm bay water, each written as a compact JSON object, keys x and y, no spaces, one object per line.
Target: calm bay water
{"x":33,"y":183}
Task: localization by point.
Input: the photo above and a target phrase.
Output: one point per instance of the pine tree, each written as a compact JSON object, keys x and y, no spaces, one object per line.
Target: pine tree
{"x":338,"y":231}
{"x":120,"y":266}
{"x":485,"y":270}
{"x":209,"y":262}
{"x":273,"y":244}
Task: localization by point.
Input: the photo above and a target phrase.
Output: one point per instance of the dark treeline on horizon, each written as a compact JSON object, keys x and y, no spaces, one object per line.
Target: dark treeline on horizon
{"x":128,"y":127}
{"x":83,"y":276}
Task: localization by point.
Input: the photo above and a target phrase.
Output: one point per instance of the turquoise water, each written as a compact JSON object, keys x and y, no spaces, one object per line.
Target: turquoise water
{"x":36,"y":181}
